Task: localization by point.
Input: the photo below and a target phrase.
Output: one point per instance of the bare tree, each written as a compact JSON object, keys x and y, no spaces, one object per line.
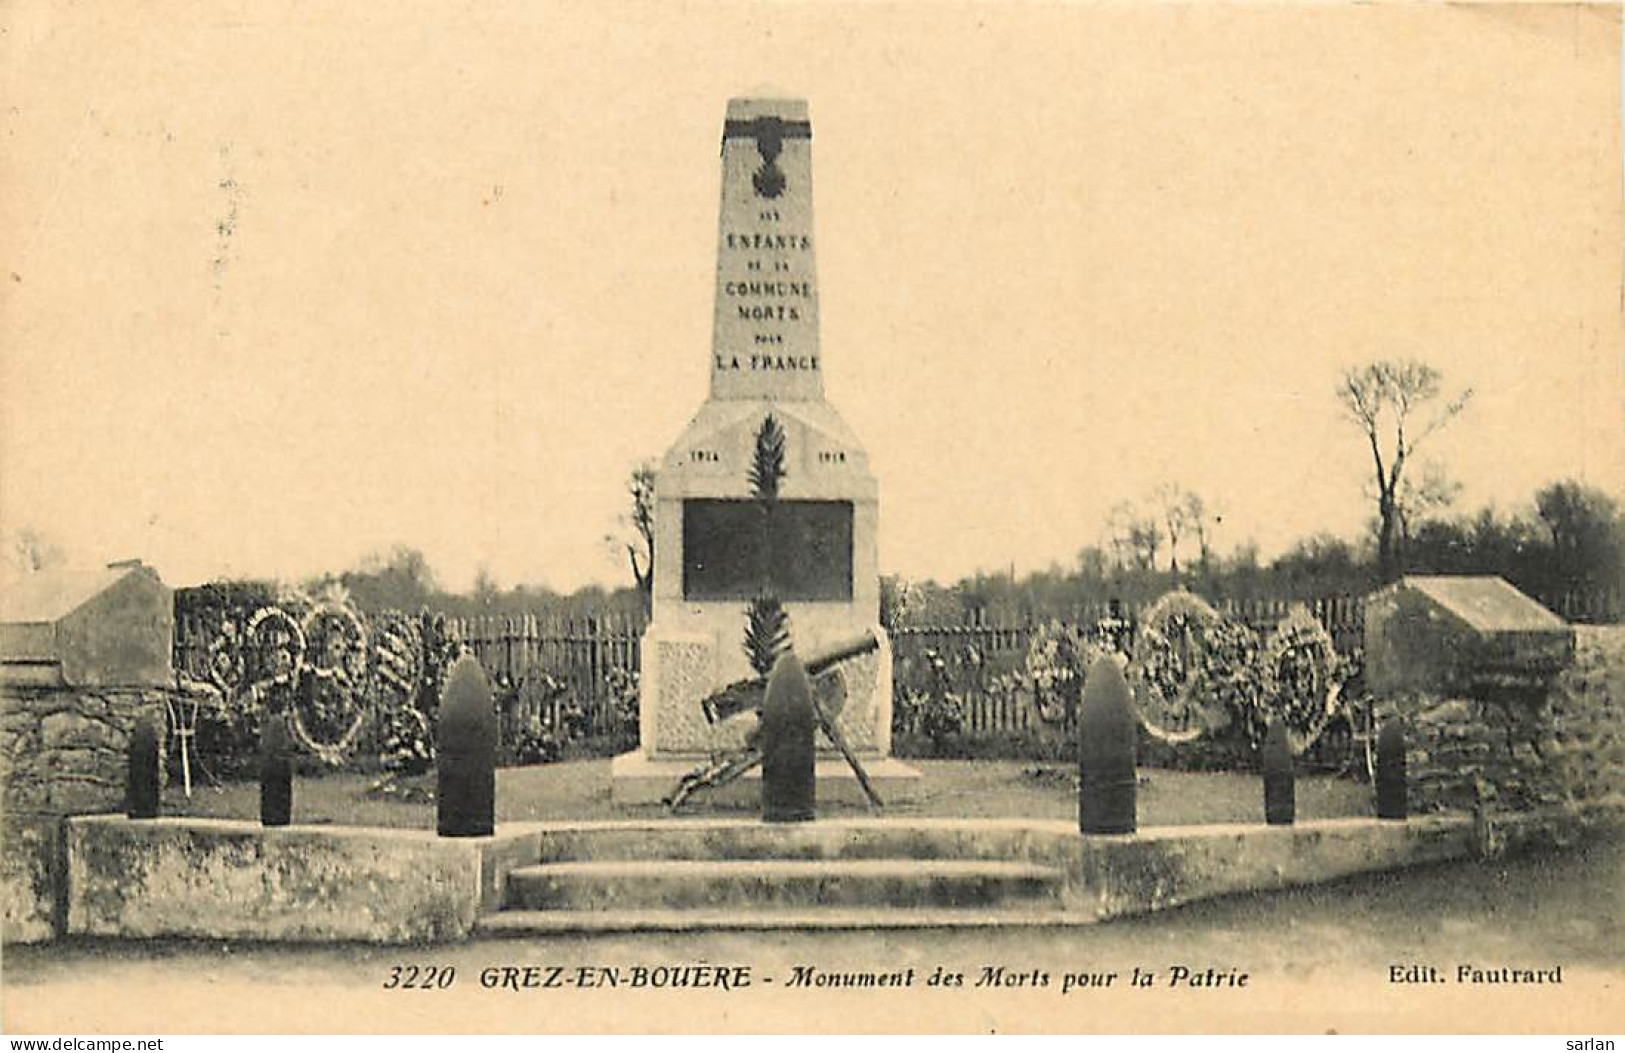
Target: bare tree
{"x":1183,"y":513}
{"x":1145,"y":540}
{"x":640,"y":550}
{"x":1203,"y":521}
{"x":1384,"y":400}
{"x":1119,"y":527}
{"x":1170,"y":502}
{"x":1135,"y":538}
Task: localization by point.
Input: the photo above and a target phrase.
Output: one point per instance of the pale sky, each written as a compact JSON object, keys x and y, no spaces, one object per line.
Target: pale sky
{"x":286,"y":284}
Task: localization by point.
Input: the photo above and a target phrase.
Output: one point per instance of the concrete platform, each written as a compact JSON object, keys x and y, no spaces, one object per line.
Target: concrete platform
{"x":636,"y":778}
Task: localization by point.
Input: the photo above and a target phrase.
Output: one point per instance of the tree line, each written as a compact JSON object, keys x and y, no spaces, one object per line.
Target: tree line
{"x":1569,"y":539}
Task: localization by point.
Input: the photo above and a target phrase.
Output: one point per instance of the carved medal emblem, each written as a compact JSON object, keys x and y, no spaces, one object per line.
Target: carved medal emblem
{"x":769,"y":179}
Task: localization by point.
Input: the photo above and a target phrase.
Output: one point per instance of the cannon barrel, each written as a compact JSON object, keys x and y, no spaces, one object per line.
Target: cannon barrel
{"x":843,"y":651}
{"x":747,"y":694}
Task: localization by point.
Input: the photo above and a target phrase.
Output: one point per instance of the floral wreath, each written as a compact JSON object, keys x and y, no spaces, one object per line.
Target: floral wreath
{"x":1300,"y":667}
{"x":405,"y":650}
{"x":340,"y":661}
{"x":397,"y":647}
{"x":1053,"y":664}
{"x":228,"y":665}
{"x":1180,"y":638}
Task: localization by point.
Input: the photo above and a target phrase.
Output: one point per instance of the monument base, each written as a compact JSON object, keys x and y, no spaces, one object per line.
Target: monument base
{"x":639,"y":779}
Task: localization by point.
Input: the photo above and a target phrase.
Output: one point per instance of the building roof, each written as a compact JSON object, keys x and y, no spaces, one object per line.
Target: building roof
{"x":1485,"y":602}
{"x":49,"y":595}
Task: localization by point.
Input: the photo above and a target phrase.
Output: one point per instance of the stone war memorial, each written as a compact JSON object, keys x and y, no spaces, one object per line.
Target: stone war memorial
{"x":766,"y":512}
{"x":763,"y":793}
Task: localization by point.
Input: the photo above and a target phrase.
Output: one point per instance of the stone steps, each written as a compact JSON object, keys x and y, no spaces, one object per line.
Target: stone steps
{"x":522,"y":923}
{"x":810,"y":841}
{"x":779,"y":884}
{"x":685,"y":875}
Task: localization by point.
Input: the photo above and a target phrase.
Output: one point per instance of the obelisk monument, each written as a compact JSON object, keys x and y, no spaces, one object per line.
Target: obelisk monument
{"x":765,"y":508}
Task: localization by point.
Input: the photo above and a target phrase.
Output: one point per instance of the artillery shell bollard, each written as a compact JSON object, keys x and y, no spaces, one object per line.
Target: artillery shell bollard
{"x":1280,"y":783}
{"x":1106,"y":733}
{"x":1391,"y":803}
{"x":143,"y":780}
{"x":789,"y":780}
{"x":276,"y":773}
{"x":466,"y":753}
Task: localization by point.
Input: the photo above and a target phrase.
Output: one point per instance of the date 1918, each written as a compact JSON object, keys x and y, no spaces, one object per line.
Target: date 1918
{"x":420,"y":977}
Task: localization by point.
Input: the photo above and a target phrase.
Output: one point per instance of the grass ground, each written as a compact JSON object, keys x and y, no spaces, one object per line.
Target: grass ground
{"x":580,"y":790}
{"x":1317,"y":959}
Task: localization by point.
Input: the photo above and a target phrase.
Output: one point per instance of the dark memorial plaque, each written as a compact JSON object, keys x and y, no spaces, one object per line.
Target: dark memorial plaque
{"x":798,"y":551}
{"x":810,"y":550}
{"x":722,"y":549}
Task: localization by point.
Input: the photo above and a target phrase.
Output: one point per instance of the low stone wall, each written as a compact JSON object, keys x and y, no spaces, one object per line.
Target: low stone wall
{"x":183,"y":877}
{"x":32,"y":883}
{"x":63,"y":748}
{"x":1161,"y":868}
{"x":62,"y":752}
{"x":203,"y":878}
{"x":1519,"y":749}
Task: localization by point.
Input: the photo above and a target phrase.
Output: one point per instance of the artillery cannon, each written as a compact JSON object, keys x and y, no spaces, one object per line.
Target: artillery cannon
{"x":823,"y":669}
{"x":745,"y":694}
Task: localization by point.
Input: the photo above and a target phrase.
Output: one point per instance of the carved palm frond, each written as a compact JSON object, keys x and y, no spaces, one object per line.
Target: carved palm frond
{"x":767,"y":633}
{"x":767,"y":467}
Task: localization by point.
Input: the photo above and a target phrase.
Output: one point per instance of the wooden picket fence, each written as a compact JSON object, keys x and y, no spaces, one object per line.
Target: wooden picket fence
{"x":979,"y":652}
{"x":580,"y":654}
{"x":547,"y":666}
{"x":1587,"y":607}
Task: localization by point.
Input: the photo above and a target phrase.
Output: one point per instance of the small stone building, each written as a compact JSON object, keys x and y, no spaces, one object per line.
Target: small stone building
{"x":84,"y":654}
{"x":1504,"y":704}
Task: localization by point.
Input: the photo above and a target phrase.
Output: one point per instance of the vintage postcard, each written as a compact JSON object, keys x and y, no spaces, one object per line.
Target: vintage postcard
{"x":540,"y":518}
